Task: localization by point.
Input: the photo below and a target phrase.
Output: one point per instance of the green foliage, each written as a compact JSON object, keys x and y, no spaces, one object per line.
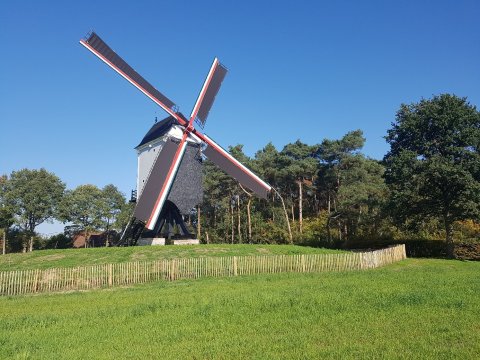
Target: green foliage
{"x":468,"y":251}
{"x":331,"y":152}
{"x":467,"y":230}
{"x":113,"y":202}
{"x":283,"y":170}
{"x":84,"y":206}
{"x":270,"y":232}
{"x":334,"y":178}
{"x":6,"y":218}
{"x":267,"y":162}
{"x":33,"y":196}
{"x":18,"y":240}
{"x":15,"y":240}
{"x":315,"y":229}
{"x":351,"y":187}
{"x":433,"y":166}
{"x":416,"y":309}
{"x":298,"y":161}
{"x":6,"y":212}
{"x":123,"y":217}
{"x":59,"y":241}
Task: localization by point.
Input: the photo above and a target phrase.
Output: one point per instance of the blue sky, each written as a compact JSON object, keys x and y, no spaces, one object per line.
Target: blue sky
{"x":304,"y":70}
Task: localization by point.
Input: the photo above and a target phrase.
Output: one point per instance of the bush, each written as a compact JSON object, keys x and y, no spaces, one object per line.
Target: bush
{"x":60,"y":241}
{"x":315,"y":229}
{"x":424,"y":248}
{"x":466,"y":230}
{"x":467,"y":251}
{"x":270,"y":232}
{"x":413,"y":247}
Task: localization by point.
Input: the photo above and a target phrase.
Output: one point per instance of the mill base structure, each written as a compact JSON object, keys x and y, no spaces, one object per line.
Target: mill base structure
{"x":163,"y":242}
{"x":170,"y":225}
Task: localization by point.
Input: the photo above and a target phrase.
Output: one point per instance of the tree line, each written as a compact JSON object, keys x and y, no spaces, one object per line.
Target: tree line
{"x":426,"y":186}
{"x":29,"y":198}
{"x":330,"y":193}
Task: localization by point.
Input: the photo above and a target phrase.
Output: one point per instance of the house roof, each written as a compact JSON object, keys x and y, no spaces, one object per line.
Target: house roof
{"x":159,"y":129}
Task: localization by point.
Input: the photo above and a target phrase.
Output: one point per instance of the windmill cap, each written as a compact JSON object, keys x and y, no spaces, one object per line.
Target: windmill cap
{"x":159,"y":129}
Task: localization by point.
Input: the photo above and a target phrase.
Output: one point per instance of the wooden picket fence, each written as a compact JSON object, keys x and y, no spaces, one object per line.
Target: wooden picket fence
{"x":109,"y":275}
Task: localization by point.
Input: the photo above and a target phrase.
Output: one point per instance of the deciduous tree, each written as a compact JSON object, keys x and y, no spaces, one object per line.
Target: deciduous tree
{"x":33,"y":196}
{"x":6,"y":213}
{"x":83,"y":206}
{"x":433,"y":166}
{"x":113,"y":201}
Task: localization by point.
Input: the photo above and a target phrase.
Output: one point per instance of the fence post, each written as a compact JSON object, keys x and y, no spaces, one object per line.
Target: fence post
{"x":172,"y":272}
{"x":235,"y":272}
{"x":35,"y":281}
{"x":110,"y":275}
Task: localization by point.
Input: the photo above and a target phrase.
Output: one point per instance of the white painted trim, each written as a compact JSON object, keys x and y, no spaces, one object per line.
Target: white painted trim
{"x":196,"y":138}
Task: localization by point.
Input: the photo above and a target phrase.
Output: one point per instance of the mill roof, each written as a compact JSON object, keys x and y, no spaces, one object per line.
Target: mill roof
{"x":159,"y":129}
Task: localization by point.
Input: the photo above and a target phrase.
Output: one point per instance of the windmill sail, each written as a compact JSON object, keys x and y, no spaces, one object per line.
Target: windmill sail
{"x":234,"y":168}
{"x":97,"y":46}
{"x":209,"y":91}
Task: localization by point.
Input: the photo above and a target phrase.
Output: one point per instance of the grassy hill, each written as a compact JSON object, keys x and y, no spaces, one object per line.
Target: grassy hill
{"x":44,"y":259}
{"x":418,"y":308}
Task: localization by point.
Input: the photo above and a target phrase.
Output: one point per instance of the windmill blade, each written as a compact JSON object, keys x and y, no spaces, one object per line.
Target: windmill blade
{"x":234,"y":168}
{"x":159,"y":182}
{"x":97,"y":46}
{"x":209,"y":92}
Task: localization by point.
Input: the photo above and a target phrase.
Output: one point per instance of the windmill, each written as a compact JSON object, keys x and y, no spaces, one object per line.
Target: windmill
{"x":153,"y":208}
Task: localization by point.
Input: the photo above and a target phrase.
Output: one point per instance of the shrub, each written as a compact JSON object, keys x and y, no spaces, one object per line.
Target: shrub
{"x":59,"y":241}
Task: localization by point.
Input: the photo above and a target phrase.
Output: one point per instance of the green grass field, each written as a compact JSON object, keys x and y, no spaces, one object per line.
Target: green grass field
{"x":415,"y":309}
{"x":44,"y":259}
